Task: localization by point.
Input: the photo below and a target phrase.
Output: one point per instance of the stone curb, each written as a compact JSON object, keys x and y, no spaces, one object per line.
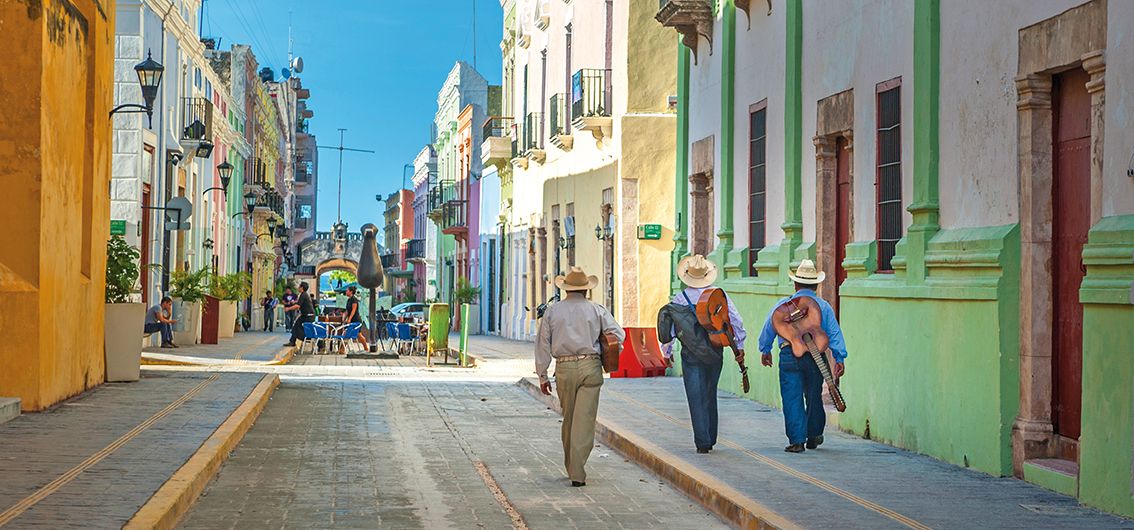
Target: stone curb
{"x":284,"y":356}
{"x":718,"y":497}
{"x":173,"y":500}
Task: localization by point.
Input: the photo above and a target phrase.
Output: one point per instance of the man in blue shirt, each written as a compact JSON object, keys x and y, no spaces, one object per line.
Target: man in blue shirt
{"x":801,"y":384}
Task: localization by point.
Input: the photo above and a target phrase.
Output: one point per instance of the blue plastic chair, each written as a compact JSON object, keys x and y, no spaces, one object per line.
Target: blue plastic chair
{"x":391,"y":330}
{"x":405,"y":336}
{"x":313,"y":332}
{"x":349,"y":332}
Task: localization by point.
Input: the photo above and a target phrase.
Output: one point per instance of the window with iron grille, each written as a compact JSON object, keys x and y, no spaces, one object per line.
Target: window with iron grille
{"x":757,"y":172}
{"x":889,"y":172}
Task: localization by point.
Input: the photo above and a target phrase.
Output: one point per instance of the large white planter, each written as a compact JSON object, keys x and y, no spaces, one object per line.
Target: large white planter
{"x":227,"y":319}
{"x":187,"y":329}
{"x":123,"y":331}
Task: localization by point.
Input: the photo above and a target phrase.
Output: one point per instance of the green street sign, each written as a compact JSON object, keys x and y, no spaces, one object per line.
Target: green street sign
{"x":649,"y":231}
{"x":117,"y":227}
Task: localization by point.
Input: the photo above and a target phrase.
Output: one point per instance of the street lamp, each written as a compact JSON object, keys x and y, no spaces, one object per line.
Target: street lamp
{"x":272,"y":226}
{"x":603,"y":232}
{"x":250,"y":201}
{"x":149,"y":76}
{"x":225,"y":170}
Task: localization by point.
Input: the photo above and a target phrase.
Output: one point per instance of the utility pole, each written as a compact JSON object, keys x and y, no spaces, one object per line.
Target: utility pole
{"x":340,"y":149}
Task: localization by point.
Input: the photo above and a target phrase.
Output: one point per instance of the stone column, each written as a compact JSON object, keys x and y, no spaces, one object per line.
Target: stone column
{"x":1095,"y":65}
{"x":826,"y":214}
{"x":1032,"y":432}
{"x":701,"y":218}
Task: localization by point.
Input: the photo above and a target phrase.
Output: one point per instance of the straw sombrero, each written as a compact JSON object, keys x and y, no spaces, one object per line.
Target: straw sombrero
{"x":696,"y":271}
{"x":576,"y":280}
{"x":807,"y":274}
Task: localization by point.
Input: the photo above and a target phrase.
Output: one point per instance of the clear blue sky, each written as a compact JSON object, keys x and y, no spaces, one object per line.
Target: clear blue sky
{"x":374,"y":67}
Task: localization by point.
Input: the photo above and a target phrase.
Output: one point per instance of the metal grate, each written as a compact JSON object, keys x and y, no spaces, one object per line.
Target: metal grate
{"x":590,"y":93}
{"x":757,"y":191}
{"x":889,"y":176}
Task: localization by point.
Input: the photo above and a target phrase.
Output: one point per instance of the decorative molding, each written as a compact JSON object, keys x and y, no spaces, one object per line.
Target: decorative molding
{"x":1109,"y":257}
{"x":691,"y":18}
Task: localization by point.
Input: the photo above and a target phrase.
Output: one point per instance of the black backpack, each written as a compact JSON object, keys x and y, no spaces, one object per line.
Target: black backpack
{"x":694,"y":338}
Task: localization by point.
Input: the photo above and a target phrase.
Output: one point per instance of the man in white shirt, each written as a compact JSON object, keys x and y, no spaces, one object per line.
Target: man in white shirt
{"x":570,"y":332}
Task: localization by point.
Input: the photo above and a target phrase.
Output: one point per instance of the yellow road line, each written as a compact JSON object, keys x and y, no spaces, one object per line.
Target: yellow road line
{"x":166,"y":507}
{"x":42,"y":493}
{"x":790,"y":470}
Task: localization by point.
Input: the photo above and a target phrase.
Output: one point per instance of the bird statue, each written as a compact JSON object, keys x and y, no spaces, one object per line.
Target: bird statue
{"x":370,"y":274}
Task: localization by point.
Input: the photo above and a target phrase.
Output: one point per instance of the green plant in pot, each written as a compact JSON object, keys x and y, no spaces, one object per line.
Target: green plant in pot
{"x":188,"y":290}
{"x":465,"y":293}
{"x":124,"y":320}
{"x":230,"y":289}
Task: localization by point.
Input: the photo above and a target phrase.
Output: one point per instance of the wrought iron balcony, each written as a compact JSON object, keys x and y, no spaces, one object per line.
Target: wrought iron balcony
{"x":196,"y":119}
{"x":415,"y":250}
{"x":390,"y":261}
{"x":499,"y":141}
{"x":560,"y":124}
{"x":454,"y":217}
{"x":591,"y":102}
{"x":440,"y":194}
{"x":691,"y":18}
{"x":304,"y":169}
{"x":533,"y":137}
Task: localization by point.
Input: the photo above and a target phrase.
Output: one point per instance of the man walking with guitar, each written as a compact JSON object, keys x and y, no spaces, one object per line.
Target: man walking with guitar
{"x":812,"y":350}
{"x":701,"y":357}
{"x":572,"y":332}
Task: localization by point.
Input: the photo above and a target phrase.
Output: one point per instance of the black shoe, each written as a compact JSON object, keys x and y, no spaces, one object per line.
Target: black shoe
{"x":577,"y":484}
{"x":290,"y":344}
{"x":704,"y":450}
{"x":794,"y":448}
{"x":167,"y":345}
{"x":812,"y":443}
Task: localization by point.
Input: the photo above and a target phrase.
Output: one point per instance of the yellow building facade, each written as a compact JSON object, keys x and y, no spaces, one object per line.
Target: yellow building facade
{"x":55,"y":147}
{"x":594,"y":154}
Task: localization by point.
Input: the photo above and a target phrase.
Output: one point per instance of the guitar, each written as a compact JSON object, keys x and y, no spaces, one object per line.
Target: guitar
{"x":611,"y":351}
{"x":712,"y":313}
{"x":800,"y":322}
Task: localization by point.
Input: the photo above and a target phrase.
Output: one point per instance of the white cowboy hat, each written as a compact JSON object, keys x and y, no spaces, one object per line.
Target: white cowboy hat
{"x":576,"y":280}
{"x":696,"y":271}
{"x":807,"y":274}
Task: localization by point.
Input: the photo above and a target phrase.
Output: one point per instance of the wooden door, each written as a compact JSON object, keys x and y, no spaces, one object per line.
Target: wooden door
{"x":145,"y":244}
{"x":842,"y":213}
{"x":1071,"y":219}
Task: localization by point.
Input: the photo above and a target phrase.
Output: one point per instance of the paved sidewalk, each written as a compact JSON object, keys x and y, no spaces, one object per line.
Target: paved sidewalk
{"x":867,"y":484}
{"x":94,"y":460}
{"x":410,"y":455}
{"x":248,"y":348}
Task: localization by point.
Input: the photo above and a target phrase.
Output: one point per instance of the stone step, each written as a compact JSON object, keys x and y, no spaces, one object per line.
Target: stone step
{"x":9,"y":408}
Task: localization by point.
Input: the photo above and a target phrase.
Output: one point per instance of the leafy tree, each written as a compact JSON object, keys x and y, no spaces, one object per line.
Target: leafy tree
{"x":344,"y":277}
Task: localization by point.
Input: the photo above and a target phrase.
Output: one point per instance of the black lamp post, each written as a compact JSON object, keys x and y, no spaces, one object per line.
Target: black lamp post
{"x":250,"y":201}
{"x":225,"y":170}
{"x":149,"y":76}
{"x":272,"y":226}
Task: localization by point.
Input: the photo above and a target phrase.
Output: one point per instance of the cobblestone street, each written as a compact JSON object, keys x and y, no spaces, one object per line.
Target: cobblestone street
{"x":349,"y":454}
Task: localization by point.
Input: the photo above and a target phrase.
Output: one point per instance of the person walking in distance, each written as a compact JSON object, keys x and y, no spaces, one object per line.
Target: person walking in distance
{"x":306,"y":314}
{"x":801,"y":382}
{"x":269,"y":305}
{"x":701,"y":362}
{"x":352,"y":315}
{"x":158,"y":319}
{"x":289,"y":300}
{"x":570,"y":332}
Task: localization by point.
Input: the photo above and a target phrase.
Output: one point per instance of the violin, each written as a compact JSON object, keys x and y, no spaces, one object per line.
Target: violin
{"x":800,"y":322}
{"x":712,"y":313}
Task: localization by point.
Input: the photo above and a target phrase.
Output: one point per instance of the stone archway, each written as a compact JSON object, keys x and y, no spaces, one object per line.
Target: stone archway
{"x":834,"y":126}
{"x":1075,"y":38}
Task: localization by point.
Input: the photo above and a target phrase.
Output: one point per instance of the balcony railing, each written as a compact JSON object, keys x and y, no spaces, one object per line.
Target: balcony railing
{"x":499,"y":141}
{"x":533,"y":132}
{"x":415,"y":249}
{"x":303,"y":171}
{"x":441,"y":193}
{"x":499,"y":127}
{"x":559,"y":118}
{"x":390,"y":261}
{"x":454,"y":217}
{"x":590,"y":93}
{"x":196,"y":119}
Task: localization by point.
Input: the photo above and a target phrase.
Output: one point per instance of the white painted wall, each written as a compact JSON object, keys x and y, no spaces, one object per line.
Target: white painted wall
{"x":1118,"y":151}
{"x":705,"y":114}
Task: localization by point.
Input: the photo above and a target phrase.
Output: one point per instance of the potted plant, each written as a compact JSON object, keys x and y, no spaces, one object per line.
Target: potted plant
{"x":230,"y":289}
{"x":124,"y":319}
{"x":465,"y":293}
{"x":188,"y":292}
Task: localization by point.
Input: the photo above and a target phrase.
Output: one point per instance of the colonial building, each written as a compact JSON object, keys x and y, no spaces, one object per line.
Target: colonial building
{"x":586,"y":99}
{"x":421,"y":250}
{"x":961,"y":171}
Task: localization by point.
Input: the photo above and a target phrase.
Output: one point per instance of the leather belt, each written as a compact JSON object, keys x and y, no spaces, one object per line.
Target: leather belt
{"x":572,"y":358}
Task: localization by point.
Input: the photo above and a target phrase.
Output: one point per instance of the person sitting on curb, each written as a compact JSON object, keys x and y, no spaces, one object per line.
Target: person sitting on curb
{"x":701,"y":362}
{"x":801,"y":383}
{"x":157,"y":321}
{"x":570,"y":332}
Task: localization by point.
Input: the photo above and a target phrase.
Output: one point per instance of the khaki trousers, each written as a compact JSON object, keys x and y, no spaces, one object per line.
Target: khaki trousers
{"x":578,"y":384}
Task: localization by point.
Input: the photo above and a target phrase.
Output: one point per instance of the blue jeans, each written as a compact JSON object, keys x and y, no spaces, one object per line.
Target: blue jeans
{"x":701,"y":391}
{"x":801,"y":387}
{"x":165,"y":329}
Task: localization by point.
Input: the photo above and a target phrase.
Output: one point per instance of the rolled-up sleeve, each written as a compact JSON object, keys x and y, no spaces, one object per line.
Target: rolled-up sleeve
{"x":543,"y":349}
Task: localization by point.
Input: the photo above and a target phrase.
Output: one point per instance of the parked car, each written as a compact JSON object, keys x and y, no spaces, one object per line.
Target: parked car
{"x":412,"y":310}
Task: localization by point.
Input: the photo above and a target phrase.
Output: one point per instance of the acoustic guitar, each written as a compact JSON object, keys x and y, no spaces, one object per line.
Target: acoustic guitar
{"x":611,"y":351}
{"x":712,"y":313}
{"x":800,"y":322}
